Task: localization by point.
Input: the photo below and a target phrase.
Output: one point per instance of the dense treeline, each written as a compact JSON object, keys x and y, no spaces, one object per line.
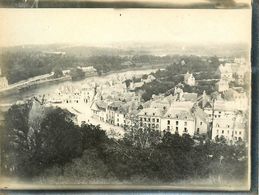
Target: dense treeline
{"x":21,"y":64}
{"x":40,"y":142}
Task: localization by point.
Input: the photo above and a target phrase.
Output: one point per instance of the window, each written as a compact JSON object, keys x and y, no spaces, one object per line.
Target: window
{"x":185,"y":123}
{"x":157,"y":125}
{"x":149,"y":125}
{"x":153,"y":125}
{"x":145,"y":119}
{"x":240,"y":132}
{"x":200,"y":123}
{"x":140,"y":119}
{"x":235,"y":132}
{"x":145,"y":113}
{"x":217,"y":125}
{"x":168,"y":127}
{"x":153,"y":114}
{"x":185,"y":129}
{"x":209,"y":115}
{"x":217,"y":131}
{"x":168,"y":122}
{"x":148,"y":119}
{"x":153,"y":120}
{"x":176,"y":122}
{"x":198,"y":130}
{"x":176,"y":129}
{"x":228,"y":126}
{"x":117,"y":120}
{"x":222,"y":131}
{"x":157,"y":120}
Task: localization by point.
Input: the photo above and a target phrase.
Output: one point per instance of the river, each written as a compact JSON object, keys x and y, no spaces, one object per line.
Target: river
{"x":49,"y":89}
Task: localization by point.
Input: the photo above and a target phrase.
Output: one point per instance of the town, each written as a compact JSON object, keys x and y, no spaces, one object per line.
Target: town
{"x":115,"y":103}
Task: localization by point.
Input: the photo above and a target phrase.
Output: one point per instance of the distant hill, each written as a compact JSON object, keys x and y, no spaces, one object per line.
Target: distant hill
{"x":130,"y":49}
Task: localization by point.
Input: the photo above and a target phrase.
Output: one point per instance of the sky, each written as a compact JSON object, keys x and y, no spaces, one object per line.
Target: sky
{"x":108,"y":26}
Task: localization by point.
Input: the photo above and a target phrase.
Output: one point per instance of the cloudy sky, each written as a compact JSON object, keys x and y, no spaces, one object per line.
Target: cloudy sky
{"x":107,"y":26}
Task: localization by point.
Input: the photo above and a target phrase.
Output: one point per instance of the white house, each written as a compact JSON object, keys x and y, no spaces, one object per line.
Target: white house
{"x":222,"y":85}
{"x":179,"y":118}
{"x":116,"y":113}
{"x":99,"y":110}
{"x":151,"y":118}
{"x":189,"y":79}
{"x":232,"y":129}
{"x":225,"y":72}
{"x":178,"y":121}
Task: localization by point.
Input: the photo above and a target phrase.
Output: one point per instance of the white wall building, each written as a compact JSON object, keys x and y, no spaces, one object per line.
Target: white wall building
{"x":222,"y":85}
{"x":225,"y":72}
{"x":151,"y":118}
{"x":189,"y":79}
{"x":232,"y":129}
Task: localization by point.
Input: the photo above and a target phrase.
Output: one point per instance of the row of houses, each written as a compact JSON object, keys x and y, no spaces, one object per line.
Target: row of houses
{"x":200,"y":117}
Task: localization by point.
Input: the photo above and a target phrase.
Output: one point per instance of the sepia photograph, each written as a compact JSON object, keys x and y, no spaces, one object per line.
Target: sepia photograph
{"x":125,"y":98}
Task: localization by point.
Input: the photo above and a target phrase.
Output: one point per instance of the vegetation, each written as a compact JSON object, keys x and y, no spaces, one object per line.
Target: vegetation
{"x":203,"y":70}
{"x":42,"y":142}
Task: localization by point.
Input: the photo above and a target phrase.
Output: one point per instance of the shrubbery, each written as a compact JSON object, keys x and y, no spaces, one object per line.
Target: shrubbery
{"x":57,"y":148}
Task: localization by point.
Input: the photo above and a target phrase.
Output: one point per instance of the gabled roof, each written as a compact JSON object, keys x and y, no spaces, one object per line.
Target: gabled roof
{"x":225,"y":68}
{"x":201,"y":114}
{"x":152,"y":112}
{"x":178,"y":114}
{"x":101,"y":105}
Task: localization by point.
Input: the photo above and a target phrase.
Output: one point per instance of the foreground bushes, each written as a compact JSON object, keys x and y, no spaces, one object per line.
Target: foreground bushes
{"x":45,"y":143}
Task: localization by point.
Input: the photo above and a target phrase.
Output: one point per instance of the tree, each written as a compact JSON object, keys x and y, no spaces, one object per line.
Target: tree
{"x":77,"y":74}
{"x":61,"y":139}
{"x":142,"y":137}
{"x":58,"y":72}
{"x":39,"y":137}
{"x":92,"y":136}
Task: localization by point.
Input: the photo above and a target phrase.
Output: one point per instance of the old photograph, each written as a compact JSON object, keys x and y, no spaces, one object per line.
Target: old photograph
{"x":125,"y":98}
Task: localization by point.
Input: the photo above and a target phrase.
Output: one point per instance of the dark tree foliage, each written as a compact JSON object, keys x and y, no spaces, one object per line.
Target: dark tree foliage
{"x":21,"y":65}
{"x":92,"y":136}
{"x":174,"y":158}
{"x":61,"y":139}
{"x":141,"y":156}
{"x":77,"y":74}
{"x":28,"y":150}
